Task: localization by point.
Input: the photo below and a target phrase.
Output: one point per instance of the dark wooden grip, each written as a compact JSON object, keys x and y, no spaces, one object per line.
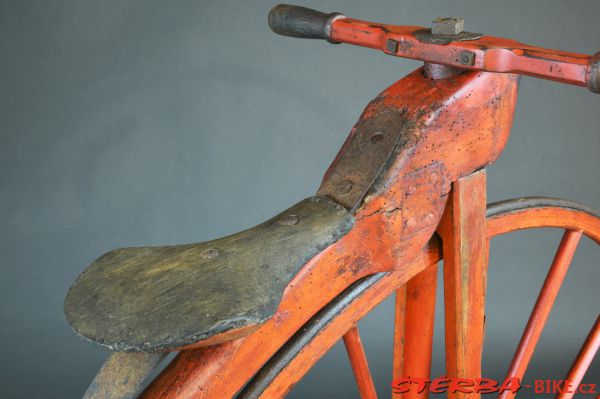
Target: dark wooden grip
{"x":302,"y":22}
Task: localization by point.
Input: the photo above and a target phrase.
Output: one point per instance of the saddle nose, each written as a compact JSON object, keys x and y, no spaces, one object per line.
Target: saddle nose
{"x":151,"y":299}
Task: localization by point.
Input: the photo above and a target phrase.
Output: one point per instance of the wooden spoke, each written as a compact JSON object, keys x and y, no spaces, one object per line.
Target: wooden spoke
{"x":413,"y":329}
{"x":465,"y":248}
{"x":358,"y":361}
{"x":583,"y":360}
{"x":543,"y":306}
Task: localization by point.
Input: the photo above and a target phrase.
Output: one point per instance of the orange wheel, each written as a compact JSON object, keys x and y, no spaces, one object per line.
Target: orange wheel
{"x":340,"y":317}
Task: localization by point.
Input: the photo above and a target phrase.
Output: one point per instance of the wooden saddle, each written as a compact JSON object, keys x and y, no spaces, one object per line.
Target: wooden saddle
{"x":161,"y":298}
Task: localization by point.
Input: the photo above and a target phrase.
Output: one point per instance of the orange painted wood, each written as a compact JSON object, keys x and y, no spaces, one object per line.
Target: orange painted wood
{"x":550,"y":217}
{"x":331,"y":334}
{"x":543,"y":306}
{"x":583,"y":360}
{"x":399,"y":340}
{"x":360,"y":366}
{"x":491,"y":54}
{"x":465,"y":248}
{"x":497,"y":225}
{"x":413,"y":330}
{"x":395,"y":222}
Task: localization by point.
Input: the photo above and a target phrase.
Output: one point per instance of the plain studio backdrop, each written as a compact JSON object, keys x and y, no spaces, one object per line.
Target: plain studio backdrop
{"x":129,"y":123}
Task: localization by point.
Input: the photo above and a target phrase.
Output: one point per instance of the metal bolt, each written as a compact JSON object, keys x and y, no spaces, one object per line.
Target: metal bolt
{"x":210,"y":253}
{"x":447,"y":26}
{"x":391,"y":46}
{"x":467,"y":58}
{"x":288,"y":220}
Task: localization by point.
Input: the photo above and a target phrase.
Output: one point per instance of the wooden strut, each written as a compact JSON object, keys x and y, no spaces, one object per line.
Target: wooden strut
{"x":413,"y":330}
{"x":465,"y":248}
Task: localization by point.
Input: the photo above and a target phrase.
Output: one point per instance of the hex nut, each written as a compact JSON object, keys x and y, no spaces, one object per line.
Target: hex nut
{"x":445,"y":26}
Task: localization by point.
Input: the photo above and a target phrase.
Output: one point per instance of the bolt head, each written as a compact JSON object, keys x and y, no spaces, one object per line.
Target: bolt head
{"x":446,"y":26}
{"x":467,"y":58}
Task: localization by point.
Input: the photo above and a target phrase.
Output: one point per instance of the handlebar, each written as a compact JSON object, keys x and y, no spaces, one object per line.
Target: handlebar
{"x":459,"y":49}
{"x":302,"y":22}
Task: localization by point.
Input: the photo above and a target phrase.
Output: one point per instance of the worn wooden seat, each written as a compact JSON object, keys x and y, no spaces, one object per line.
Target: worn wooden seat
{"x":164,"y":298}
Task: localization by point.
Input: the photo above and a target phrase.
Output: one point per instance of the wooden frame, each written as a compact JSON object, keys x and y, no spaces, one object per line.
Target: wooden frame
{"x":454,"y":127}
{"x":413,"y":165}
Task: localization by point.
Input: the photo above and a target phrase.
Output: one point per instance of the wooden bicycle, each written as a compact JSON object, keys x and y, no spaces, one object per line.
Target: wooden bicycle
{"x":251,"y":313}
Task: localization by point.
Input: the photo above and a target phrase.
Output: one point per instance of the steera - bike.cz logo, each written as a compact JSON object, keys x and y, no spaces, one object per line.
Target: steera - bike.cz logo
{"x":488,"y":385}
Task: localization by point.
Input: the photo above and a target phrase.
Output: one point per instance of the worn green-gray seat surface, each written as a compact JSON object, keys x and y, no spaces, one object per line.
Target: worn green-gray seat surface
{"x":160,"y":298}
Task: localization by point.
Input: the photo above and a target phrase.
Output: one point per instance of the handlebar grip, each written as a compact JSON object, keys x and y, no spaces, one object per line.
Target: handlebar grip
{"x":302,"y":22}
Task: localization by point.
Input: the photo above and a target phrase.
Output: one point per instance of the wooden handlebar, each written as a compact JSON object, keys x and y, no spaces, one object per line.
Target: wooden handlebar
{"x":463,"y":50}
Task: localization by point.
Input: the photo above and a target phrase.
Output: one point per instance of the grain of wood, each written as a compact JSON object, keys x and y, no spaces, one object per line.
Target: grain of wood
{"x":162,"y":298}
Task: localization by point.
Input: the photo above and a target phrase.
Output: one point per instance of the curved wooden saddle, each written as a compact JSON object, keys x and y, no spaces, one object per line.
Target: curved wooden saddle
{"x":380,"y":201}
{"x":160,"y":298}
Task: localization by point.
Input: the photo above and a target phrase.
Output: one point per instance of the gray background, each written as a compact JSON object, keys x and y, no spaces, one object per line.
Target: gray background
{"x":130,"y":123}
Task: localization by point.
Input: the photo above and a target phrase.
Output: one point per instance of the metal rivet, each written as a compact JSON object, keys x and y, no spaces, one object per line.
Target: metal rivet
{"x":467,"y":58}
{"x":376,"y":137}
{"x":210,"y":253}
{"x":288,"y":220}
{"x":412,"y":222}
{"x":344,"y":187}
{"x":391,"y":46}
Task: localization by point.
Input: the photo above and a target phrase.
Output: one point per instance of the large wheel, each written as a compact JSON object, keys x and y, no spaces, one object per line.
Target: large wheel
{"x":339,"y":318}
